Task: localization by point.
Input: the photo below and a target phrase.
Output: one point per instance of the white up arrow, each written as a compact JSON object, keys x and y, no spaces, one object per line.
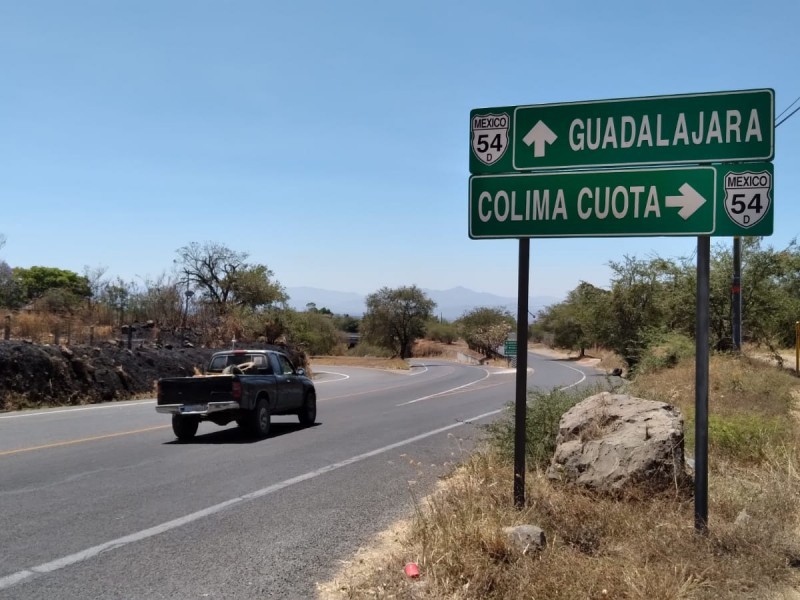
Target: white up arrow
{"x":539,"y":136}
{"x":688,"y":202}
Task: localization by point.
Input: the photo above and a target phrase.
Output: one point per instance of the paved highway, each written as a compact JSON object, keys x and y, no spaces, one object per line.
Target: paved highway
{"x":102,"y":502}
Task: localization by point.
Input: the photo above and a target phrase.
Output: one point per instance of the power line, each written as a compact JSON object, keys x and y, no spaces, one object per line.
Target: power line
{"x":786,"y":118}
{"x":787,"y":108}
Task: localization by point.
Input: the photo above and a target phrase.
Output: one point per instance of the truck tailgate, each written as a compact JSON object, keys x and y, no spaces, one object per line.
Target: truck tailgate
{"x":195,"y":390}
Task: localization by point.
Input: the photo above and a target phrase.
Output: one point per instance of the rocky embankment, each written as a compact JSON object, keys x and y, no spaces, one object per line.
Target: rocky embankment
{"x":33,"y":375}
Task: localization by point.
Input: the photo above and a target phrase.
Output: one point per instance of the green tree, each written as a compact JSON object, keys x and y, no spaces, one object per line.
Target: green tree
{"x":637,"y":303}
{"x":582,"y":320}
{"x":36,"y":281}
{"x":254,"y":287}
{"x":224,"y":277}
{"x":770,"y":292}
{"x":347,"y":323}
{"x":315,"y":332}
{"x":485,"y":328}
{"x":396,"y":318}
{"x":440,"y":331}
{"x":117,"y":295}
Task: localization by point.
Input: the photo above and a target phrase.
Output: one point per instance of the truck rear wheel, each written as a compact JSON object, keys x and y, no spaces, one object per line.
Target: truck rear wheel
{"x":260,"y":419}
{"x":184,"y":427}
{"x":308,"y":414}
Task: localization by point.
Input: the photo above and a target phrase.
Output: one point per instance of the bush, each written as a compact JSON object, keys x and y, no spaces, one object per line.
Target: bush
{"x":445,"y":333}
{"x":541,"y":427}
{"x":665,"y":350}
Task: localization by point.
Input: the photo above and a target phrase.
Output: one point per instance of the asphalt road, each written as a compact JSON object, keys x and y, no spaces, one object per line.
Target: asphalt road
{"x":102,"y":502}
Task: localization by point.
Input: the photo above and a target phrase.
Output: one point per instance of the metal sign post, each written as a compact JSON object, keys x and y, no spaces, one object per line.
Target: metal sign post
{"x":521,"y":399}
{"x":736,"y":295}
{"x":701,"y":386}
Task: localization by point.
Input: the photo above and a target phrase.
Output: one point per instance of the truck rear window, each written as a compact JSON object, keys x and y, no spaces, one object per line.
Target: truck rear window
{"x":218,"y":363}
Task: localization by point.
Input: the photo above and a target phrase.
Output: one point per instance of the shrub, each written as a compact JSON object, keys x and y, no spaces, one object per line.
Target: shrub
{"x":445,"y":333}
{"x":665,"y":350}
{"x":541,"y":427}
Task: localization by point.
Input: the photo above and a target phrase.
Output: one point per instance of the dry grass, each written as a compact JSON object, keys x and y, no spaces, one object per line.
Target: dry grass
{"x":782,"y":357}
{"x":637,"y":547}
{"x":749,"y":404}
{"x":41,"y":327}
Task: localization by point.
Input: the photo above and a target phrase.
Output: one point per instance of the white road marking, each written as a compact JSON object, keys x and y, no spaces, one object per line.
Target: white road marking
{"x":461,"y":387}
{"x":42,"y":413}
{"x":66,"y":561}
{"x":581,"y":380}
{"x":342,"y":377}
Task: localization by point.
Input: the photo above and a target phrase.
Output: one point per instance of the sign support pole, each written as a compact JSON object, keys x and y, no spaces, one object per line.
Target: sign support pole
{"x":736,"y":293}
{"x":701,"y":386}
{"x":521,"y":400}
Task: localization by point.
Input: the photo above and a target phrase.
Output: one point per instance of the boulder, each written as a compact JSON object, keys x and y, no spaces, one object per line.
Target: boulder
{"x":609,"y":442}
{"x":525,"y":537}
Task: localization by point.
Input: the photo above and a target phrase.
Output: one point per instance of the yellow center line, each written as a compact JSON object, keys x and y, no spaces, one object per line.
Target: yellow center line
{"x":81,"y":440}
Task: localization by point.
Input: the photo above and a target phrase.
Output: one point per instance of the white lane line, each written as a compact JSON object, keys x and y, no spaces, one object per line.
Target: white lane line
{"x":342,"y":377}
{"x":442,"y":393}
{"x":66,"y":561}
{"x":44,"y":413}
{"x":581,"y":380}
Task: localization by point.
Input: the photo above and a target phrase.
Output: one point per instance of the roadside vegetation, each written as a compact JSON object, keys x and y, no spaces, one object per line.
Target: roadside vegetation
{"x":640,"y":546}
{"x":214,"y":297}
{"x":654,"y":297}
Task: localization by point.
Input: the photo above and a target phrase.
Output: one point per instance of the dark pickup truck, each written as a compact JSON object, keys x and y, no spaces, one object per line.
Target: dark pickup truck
{"x":246,"y":386}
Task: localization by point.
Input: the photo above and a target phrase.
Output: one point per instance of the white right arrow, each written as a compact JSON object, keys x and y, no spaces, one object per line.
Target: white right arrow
{"x":688,"y":202}
{"x":540,"y":135}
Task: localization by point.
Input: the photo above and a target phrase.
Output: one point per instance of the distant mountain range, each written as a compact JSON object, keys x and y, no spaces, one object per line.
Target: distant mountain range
{"x":450,"y":304}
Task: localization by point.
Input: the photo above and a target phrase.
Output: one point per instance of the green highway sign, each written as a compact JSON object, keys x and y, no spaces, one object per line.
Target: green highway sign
{"x":735,"y":126}
{"x":720,"y":200}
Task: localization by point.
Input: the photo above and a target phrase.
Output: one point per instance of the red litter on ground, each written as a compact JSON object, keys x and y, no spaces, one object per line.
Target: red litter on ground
{"x":412,"y":570}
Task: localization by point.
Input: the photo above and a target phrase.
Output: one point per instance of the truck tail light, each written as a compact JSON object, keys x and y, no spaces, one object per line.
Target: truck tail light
{"x":158,"y":390}
{"x":236,"y":390}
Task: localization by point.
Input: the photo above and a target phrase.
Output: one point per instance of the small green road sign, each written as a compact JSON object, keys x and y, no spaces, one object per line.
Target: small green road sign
{"x":677,"y":201}
{"x":733,"y":126}
{"x":510,"y":347}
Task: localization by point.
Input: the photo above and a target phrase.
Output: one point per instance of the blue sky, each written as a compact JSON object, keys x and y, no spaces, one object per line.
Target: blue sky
{"x":330,"y":140}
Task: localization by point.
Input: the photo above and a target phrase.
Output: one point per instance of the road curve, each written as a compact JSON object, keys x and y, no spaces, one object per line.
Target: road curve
{"x":102,"y":502}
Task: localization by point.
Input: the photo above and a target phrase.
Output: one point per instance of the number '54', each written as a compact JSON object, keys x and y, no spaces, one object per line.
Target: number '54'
{"x":738,"y":205}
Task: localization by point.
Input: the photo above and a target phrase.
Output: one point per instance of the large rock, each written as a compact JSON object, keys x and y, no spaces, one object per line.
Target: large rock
{"x":611,"y":441}
{"x":526,"y":537}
